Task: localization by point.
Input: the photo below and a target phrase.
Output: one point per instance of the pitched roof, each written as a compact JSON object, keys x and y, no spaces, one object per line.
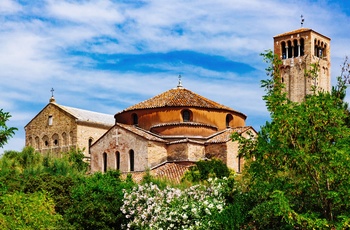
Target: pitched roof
{"x":81,"y":115}
{"x":141,"y":132}
{"x":225,"y":136}
{"x":172,"y":171}
{"x":89,"y":116}
{"x":178,"y":97}
{"x":300,"y":30}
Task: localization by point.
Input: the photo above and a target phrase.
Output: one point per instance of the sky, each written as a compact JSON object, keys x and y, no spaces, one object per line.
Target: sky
{"x":106,"y":55}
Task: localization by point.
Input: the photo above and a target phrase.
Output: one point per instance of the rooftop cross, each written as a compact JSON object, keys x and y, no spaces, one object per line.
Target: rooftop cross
{"x":52,"y":91}
{"x":179,"y":84}
{"x":302,"y":20}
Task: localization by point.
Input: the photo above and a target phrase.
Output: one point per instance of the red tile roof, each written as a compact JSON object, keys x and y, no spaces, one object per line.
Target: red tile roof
{"x":300,"y":30}
{"x":141,"y":132}
{"x":226,"y":135}
{"x":178,"y":97}
{"x":172,"y":171}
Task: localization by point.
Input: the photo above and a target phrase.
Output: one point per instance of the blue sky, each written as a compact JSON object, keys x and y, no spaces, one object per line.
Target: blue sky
{"x":106,"y":55}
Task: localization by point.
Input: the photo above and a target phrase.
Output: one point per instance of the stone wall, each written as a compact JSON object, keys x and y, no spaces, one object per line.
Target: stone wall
{"x":54,"y":131}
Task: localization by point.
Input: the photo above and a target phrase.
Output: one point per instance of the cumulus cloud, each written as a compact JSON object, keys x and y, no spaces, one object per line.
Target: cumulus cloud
{"x":106,"y":55}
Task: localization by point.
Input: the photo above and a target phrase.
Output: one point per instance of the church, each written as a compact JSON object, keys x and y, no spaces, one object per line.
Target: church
{"x":169,"y":132}
{"x":173,"y":129}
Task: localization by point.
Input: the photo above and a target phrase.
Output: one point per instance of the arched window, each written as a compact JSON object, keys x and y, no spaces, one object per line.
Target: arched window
{"x":55,"y":139}
{"x":186,"y":115}
{"x":301,"y":47}
{"x":89,"y":144}
{"x":135,"y":119}
{"x":289,"y":49}
{"x":71,"y":138}
{"x":284,"y":51}
{"x":46,"y":141}
{"x":37,"y":143}
{"x":229,"y":119}
{"x":295,"y":49}
{"x":131,"y":160}
{"x":104,"y":156}
{"x":64,"y":139}
{"x":117,"y":160}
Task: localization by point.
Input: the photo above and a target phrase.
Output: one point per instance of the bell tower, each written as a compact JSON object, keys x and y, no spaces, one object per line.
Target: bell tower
{"x":298,"y":49}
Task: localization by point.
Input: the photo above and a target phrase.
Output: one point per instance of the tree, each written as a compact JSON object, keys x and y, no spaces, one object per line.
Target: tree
{"x":203,"y":170}
{"x":5,"y":132}
{"x":299,"y":163}
{"x":28,"y":211}
{"x":96,"y":202}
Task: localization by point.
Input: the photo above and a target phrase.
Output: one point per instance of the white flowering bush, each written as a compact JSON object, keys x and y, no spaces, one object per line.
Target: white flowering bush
{"x":149,"y":207}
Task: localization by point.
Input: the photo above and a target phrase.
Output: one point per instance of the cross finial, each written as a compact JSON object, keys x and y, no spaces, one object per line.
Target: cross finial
{"x":52,"y":92}
{"x":179,"y":84}
{"x":302,"y":20}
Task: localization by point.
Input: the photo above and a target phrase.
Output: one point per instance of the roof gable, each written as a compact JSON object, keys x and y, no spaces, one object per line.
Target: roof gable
{"x":89,"y":116}
{"x":81,"y":115}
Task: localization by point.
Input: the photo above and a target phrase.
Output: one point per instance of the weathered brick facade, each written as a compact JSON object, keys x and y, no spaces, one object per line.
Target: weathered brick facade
{"x":299,"y":49}
{"x":58,"y":128}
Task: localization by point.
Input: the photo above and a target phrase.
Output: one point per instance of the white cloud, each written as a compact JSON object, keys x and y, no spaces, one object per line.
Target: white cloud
{"x":9,"y":7}
{"x":53,"y":44}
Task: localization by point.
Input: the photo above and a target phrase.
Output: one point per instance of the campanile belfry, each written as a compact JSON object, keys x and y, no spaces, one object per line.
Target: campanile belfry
{"x":298,"y":49}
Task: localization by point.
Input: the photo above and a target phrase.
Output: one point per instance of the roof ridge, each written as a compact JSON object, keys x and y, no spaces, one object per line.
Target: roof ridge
{"x":178,"y":97}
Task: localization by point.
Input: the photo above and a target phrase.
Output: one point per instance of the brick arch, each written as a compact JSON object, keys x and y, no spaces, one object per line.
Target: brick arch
{"x":71,"y":138}
{"x":37,"y":142}
{"x":64,"y":139}
{"x":46,"y":141}
{"x":55,"y":140}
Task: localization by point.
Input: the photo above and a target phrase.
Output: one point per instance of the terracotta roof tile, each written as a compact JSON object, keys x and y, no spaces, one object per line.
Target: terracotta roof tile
{"x":176,"y":97}
{"x":172,"y":171}
{"x":300,"y":30}
{"x":226,"y":135}
{"x":140,"y":132}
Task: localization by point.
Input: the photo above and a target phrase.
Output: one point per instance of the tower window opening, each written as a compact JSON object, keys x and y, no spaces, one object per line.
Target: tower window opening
{"x":284,"y":52}
{"x":289,"y":49}
{"x":301,"y":47}
{"x":296,"y":49}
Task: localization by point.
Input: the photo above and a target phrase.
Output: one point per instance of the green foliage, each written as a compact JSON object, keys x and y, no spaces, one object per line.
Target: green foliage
{"x":299,"y":162}
{"x":5,"y":132}
{"x":96,"y":202}
{"x":30,"y":172}
{"x":28,"y":211}
{"x":203,"y":170}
